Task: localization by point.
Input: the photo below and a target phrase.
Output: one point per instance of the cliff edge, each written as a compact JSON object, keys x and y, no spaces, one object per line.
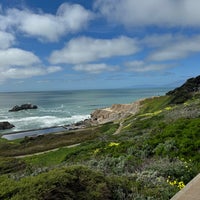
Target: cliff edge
{"x":115,"y":112}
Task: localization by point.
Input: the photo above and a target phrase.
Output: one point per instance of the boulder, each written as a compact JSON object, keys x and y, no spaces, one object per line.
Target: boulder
{"x":6,"y":125}
{"x":23,"y":107}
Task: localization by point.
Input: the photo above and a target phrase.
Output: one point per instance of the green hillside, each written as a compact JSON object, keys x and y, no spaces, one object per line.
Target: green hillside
{"x":156,"y":153}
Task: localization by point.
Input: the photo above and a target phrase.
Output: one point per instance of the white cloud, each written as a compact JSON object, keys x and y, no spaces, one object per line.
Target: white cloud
{"x":53,"y":69}
{"x":95,"y":68}
{"x":85,"y":49}
{"x":16,"y":73}
{"x":6,"y":40}
{"x":152,"y":12}
{"x":68,"y":19}
{"x":159,"y":40}
{"x":74,"y":16}
{"x":177,"y":49}
{"x":17,"y":63}
{"x":17,"y":57}
{"x":140,"y":66}
{"x":26,"y":72}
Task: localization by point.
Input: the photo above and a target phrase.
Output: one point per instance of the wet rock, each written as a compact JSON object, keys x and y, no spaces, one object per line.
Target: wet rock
{"x":6,"y":125}
{"x":23,"y":107}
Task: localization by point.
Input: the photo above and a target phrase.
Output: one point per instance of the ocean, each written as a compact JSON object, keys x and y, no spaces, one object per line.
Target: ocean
{"x":56,"y":108}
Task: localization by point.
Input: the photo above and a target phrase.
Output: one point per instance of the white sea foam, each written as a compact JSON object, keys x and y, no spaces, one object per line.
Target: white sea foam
{"x":44,"y":121}
{"x":63,"y":107}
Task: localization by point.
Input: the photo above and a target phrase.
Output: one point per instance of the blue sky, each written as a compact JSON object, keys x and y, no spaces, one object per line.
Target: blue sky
{"x":82,"y":44}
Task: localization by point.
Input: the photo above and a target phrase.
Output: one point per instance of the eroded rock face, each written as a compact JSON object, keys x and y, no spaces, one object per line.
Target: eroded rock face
{"x":115,"y":112}
{"x":6,"y":125}
{"x":23,"y":107}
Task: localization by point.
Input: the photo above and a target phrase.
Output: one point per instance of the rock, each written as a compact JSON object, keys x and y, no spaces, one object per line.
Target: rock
{"x":6,"y":125}
{"x":115,"y":112}
{"x":23,"y":107}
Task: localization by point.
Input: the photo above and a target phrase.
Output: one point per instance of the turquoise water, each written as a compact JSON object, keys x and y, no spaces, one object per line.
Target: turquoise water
{"x":64,"y":107}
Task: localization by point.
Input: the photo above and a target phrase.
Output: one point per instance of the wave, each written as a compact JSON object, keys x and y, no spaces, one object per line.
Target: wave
{"x":27,"y":123}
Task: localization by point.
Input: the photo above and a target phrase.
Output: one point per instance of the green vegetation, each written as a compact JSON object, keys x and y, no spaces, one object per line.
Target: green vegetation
{"x":65,"y":183}
{"x":154,"y":104}
{"x":189,"y":89}
{"x":8,"y":165}
{"x":154,"y":156}
{"x":30,"y":145}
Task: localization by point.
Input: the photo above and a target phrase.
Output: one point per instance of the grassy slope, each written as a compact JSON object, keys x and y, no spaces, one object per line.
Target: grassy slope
{"x":156,"y":153}
{"x":52,"y":141}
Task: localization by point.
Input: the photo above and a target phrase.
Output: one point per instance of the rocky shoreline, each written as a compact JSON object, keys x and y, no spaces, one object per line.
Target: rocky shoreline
{"x":100,"y":116}
{"x":7,"y":125}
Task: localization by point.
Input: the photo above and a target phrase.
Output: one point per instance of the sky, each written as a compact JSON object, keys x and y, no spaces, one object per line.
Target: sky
{"x":85,"y":44}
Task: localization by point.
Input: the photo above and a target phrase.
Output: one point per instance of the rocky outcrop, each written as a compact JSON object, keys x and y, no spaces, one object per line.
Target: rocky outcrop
{"x":6,"y":125}
{"x":115,"y":112}
{"x":23,"y":107}
{"x":186,"y":91}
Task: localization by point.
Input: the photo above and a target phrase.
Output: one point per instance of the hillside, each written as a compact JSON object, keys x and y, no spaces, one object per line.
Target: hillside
{"x":148,"y":154}
{"x":190,"y":88}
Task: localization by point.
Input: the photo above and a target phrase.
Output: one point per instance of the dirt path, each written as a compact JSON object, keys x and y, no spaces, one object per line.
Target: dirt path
{"x":43,"y":152}
{"x":119,"y":128}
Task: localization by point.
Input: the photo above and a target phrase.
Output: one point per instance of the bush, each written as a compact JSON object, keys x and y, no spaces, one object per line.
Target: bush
{"x":8,"y":165}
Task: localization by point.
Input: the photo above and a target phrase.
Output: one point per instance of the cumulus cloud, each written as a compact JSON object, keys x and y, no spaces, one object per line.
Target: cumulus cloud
{"x":17,"y":57}
{"x":85,"y":49}
{"x":6,"y":40}
{"x":152,"y":12}
{"x":141,"y":66}
{"x":26,"y":72}
{"x":16,"y":73}
{"x":68,"y":19}
{"x":177,"y":49}
{"x":17,"y":63}
{"x":95,"y":68}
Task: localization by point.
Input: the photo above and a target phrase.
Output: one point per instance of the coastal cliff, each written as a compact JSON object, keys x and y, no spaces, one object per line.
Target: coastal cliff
{"x":115,"y":112}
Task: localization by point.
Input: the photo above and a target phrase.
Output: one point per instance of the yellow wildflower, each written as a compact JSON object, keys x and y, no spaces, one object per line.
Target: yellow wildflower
{"x":112,"y":144}
{"x":168,"y":108}
{"x":96,"y":151}
{"x":181,"y":185}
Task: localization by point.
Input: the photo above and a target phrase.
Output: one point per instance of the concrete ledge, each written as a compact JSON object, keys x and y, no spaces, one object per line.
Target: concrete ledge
{"x":190,"y":192}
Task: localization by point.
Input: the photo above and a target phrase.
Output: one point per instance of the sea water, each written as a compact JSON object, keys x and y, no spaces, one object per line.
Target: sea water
{"x":57,"y":108}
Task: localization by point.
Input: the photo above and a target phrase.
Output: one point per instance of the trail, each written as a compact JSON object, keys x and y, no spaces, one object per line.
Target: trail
{"x":119,"y":128}
{"x":43,"y":152}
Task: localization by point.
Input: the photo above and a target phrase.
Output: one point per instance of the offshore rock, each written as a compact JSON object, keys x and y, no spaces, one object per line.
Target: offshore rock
{"x":6,"y":125}
{"x":23,"y":107}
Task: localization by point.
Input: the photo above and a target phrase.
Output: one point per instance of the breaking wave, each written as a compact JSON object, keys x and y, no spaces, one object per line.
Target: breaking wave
{"x":28,"y":123}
